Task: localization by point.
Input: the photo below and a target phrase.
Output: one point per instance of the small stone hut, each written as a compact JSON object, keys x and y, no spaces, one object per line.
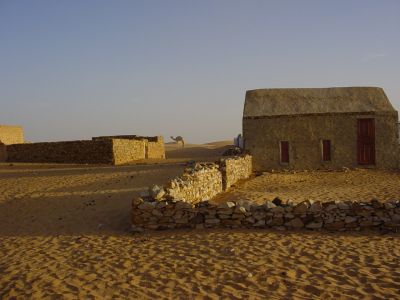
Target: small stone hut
{"x":11,"y":135}
{"x":311,"y":128}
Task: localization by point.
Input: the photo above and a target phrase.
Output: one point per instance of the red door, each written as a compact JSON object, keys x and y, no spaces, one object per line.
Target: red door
{"x":366,"y":142}
{"x":285,"y":151}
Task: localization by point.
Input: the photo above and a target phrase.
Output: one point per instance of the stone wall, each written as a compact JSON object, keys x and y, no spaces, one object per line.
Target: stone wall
{"x":126,"y":150}
{"x":153,"y":145}
{"x":156,"y":148}
{"x":335,"y":216}
{"x":184,"y":203}
{"x":203,"y":181}
{"x":3,"y":152}
{"x":80,"y":152}
{"x":99,"y":150}
{"x":11,"y":134}
{"x":235,"y":169}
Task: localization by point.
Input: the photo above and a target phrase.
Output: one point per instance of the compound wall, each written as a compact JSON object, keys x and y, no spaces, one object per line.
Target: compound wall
{"x":126,"y":150}
{"x":333,"y":216}
{"x":204,"y":180}
{"x":155,"y":148}
{"x":153,"y":145}
{"x":3,"y":152}
{"x":79,"y":152}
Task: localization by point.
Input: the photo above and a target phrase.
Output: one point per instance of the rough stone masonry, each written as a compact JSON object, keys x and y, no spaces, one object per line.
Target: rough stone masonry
{"x":204,"y":180}
{"x":184,"y":203}
{"x":102,"y":150}
{"x":335,"y":216}
{"x":11,"y":135}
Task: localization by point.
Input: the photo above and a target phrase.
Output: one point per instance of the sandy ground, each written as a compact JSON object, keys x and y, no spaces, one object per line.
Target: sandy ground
{"x":203,"y":265}
{"x":357,"y":185}
{"x":74,"y":199}
{"x":64,"y":235}
{"x":205,"y":152}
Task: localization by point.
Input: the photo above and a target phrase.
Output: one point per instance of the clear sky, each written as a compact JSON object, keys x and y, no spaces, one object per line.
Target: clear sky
{"x":76,"y":69}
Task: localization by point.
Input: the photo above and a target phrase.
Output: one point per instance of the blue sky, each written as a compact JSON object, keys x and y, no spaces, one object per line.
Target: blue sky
{"x":76,"y":69}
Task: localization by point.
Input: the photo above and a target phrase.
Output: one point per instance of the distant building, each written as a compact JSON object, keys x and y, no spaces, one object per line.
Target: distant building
{"x":11,"y":134}
{"x":310,"y":128}
{"x":115,"y":150}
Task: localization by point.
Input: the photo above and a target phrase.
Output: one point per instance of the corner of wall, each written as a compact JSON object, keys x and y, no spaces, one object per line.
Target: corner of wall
{"x":3,"y":152}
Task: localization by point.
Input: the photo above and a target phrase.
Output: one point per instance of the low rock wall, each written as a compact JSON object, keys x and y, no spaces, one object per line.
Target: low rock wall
{"x":334,"y":216}
{"x":203,"y":181}
{"x":235,"y":169}
{"x":184,"y":203}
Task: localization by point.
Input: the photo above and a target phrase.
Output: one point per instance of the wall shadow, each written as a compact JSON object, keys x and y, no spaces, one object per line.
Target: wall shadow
{"x":77,"y":207}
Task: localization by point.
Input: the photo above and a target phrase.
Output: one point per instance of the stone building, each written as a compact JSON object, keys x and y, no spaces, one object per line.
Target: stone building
{"x":153,"y":146}
{"x":311,"y":128}
{"x":114,"y":150}
{"x":11,"y":134}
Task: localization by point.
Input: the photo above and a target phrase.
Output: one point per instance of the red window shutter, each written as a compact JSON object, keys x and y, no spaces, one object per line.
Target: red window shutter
{"x":326,"y":150}
{"x":284,"y":151}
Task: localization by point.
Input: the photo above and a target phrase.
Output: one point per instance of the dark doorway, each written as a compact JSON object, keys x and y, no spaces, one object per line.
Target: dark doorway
{"x":326,"y":150}
{"x":284,"y":151}
{"x":366,"y":141}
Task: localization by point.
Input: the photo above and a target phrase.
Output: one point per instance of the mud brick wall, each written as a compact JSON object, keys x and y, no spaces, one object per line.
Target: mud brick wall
{"x":127,"y":150}
{"x":156,"y":148}
{"x":332,"y":216}
{"x":80,"y":152}
{"x":235,"y":169}
{"x":11,"y":134}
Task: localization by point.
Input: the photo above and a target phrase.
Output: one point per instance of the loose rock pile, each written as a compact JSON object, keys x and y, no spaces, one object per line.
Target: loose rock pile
{"x":149,"y":213}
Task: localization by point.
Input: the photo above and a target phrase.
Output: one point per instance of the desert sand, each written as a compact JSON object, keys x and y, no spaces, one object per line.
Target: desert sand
{"x":64,"y":234}
{"x":354,"y":184}
{"x":205,"y":152}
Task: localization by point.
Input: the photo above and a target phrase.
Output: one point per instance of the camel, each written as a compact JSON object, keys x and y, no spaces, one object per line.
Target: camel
{"x":178,"y":140}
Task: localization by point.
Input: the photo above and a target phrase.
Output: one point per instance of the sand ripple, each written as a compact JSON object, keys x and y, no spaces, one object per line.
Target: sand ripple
{"x":204,"y":265}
